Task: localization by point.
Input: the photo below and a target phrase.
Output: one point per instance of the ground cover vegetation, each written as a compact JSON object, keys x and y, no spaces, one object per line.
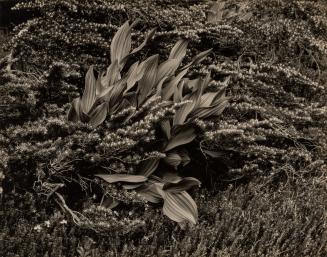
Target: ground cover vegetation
{"x":114,"y":113}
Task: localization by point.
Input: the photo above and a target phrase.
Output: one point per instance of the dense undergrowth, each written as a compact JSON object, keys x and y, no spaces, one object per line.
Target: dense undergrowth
{"x":262,"y":163}
{"x":262,"y":218}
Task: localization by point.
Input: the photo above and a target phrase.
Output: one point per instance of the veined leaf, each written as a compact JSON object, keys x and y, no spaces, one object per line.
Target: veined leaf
{"x":155,"y":179}
{"x":207,"y":99}
{"x":112,"y":75}
{"x":195,"y":98}
{"x":106,"y":94}
{"x":167,"y":68}
{"x":84,"y":117}
{"x":183,"y":185}
{"x":132,"y":76}
{"x":148,"y":36}
{"x":159,"y":86}
{"x":169,"y":89}
{"x":203,"y":86}
{"x":149,"y":166}
{"x":182,"y":113}
{"x":88,"y":97}
{"x":198,"y":58}
{"x":136,"y":73}
{"x":179,"y":50}
{"x":152,"y":193}
{"x":165,"y":126}
{"x":180,"y":207}
{"x":148,"y":80}
{"x":98,"y":115}
{"x":74,"y":110}
{"x":173,"y":159}
{"x":132,"y":186}
{"x":170,"y":177}
{"x":121,"y":43}
{"x":206,"y":112}
{"x":220,"y":96}
{"x":116,"y":94}
{"x":113,"y":178}
{"x":182,"y":138}
{"x":98,"y":84}
{"x":178,"y":93}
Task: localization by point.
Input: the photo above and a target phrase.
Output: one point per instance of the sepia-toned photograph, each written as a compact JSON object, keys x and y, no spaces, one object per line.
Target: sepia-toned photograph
{"x":163,"y":128}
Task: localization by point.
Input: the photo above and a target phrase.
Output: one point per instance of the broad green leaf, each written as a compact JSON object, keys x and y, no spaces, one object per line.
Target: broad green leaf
{"x":198,"y":58}
{"x":136,"y":73}
{"x":206,"y":112}
{"x":182,"y":113}
{"x":195,"y":98}
{"x":124,"y":104}
{"x":147,"y":82}
{"x":203,"y":86}
{"x":155,"y":179}
{"x":132,"y":76}
{"x":169,"y":89}
{"x":179,"y":50}
{"x":184,"y":137}
{"x":207,"y":99}
{"x":112,"y":75}
{"x":114,"y":178}
{"x":148,"y":36}
{"x":152,"y":193}
{"x":116,"y":94}
{"x":220,"y":96}
{"x":173,"y":159}
{"x":167,"y":68}
{"x":169,"y":176}
{"x":183,"y":185}
{"x":149,"y":166}
{"x":121,"y":43}
{"x":132,"y":186}
{"x":84,"y":117}
{"x":74,"y":110}
{"x":180,"y":207}
{"x":106,"y":94}
{"x":99,"y":84}
{"x":88,"y":97}
{"x":98,"y":115}
{"x":165,"y":126}
{"x":178,"y":93}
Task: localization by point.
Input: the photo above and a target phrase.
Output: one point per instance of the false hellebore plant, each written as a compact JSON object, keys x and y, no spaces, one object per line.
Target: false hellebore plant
{"x":113,"y":91}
